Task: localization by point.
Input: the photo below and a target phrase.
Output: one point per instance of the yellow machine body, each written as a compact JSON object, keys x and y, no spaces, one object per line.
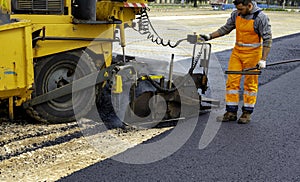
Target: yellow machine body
{"x":57,"y":61}
{"x":16,"y":65}
{"x":25,"y":40}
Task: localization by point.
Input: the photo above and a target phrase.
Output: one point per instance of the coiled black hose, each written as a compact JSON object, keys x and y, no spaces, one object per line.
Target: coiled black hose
{"x":145,"y":27}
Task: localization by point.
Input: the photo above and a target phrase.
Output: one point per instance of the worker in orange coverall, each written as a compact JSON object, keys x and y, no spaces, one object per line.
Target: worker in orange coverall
{"x":253,"y":43}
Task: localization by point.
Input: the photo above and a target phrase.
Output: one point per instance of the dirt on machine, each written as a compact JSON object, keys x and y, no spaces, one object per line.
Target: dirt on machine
{"x":57,"y":64}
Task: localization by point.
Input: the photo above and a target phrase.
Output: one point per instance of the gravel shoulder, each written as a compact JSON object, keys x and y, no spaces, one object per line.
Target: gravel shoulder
{"x":31,"y":152}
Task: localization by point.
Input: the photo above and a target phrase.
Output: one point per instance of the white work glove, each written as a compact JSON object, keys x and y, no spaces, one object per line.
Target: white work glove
{"x":205,"y":37}
{"x":261,"y":64}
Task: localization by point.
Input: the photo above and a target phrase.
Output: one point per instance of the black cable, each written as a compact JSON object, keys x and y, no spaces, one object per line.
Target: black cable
{"x":144,"y":29}
{"x":248,"y":71}
{"x":195,"y":59}
{"x":283,"y":62}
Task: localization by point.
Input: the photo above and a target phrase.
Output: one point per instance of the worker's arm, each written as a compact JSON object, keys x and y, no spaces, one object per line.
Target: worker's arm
{"x":265,"y":52}
{"x":210,"y":36}
{"x":225,"y":29}
{"x":263,"y":28}
{"x":215,"y":34}
{"x":262,"y":63}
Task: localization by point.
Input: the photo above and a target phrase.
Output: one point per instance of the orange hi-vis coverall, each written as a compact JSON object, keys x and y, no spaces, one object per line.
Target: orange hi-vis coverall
{"x":246,"y":54}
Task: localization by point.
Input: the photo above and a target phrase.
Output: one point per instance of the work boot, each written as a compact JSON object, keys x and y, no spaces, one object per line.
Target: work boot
{"x":228,"y":116}
{"x":245,"y":118}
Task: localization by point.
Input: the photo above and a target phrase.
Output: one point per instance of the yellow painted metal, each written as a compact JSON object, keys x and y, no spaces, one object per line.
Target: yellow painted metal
{"x":122,"y":35}
{"x":64,"y":28}
{"x":16,"y":65}
{"x":102,"y":49}
{"x":11,"y":108}
{"x":42,"y":20}
{"x":68,"y":4}
{"x":4,"y":6}
{"x":17,"y":52}
{"x":153,"y":77}
{"x":118,"y":85}
{"x":108,"y":10}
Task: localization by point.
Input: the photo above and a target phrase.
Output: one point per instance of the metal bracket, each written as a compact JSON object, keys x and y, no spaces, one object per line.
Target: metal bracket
{"x":244,"y":72}
{"x":247,"y":71}
{"x":80,"y":84}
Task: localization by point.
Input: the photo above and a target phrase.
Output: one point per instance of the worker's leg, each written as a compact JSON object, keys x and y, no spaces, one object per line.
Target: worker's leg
{"x":233,"y":82}
{"x":250,"y":85}
{"x":251,"y":81}
{"x":250,"y":92}
{"x":232,"y":89}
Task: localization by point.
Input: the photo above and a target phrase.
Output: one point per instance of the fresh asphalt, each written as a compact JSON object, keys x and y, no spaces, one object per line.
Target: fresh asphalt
{"x":266,"y":149}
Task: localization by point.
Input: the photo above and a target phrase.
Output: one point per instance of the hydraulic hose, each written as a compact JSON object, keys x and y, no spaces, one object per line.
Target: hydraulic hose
{"x":145,"y":26}
{"x":248,"y":71}
{"x":283,"y":62}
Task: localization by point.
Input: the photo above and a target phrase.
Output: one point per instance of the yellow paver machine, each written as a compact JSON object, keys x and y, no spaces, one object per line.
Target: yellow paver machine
{"x":56,"y":62}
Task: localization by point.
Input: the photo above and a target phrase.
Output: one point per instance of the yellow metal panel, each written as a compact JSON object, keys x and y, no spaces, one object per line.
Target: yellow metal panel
{"x":69,"y":5}
{"x":44,"y":19}
{"x":80,"y":30}
{"x":11,"y":107}
{"x":4,"y":5}
{"x":15,"y":25}
{"x":118,"y":85}
{"x":29,"y":68}
{"x":48,"y":47}
{"x":4,"y":94}
{"x":16,"y":67}
{"x":153,"y":77}
{"x":107,"y":10}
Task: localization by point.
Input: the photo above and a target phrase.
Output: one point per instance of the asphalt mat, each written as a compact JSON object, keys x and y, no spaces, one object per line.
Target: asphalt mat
{"x":266,"y":149}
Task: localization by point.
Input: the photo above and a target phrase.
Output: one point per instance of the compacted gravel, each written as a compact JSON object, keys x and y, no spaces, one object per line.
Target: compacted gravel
{"x":39,"y":152}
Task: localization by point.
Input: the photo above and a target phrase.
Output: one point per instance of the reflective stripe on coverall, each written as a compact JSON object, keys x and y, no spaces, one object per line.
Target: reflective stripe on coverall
{"x":246,"y":54}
